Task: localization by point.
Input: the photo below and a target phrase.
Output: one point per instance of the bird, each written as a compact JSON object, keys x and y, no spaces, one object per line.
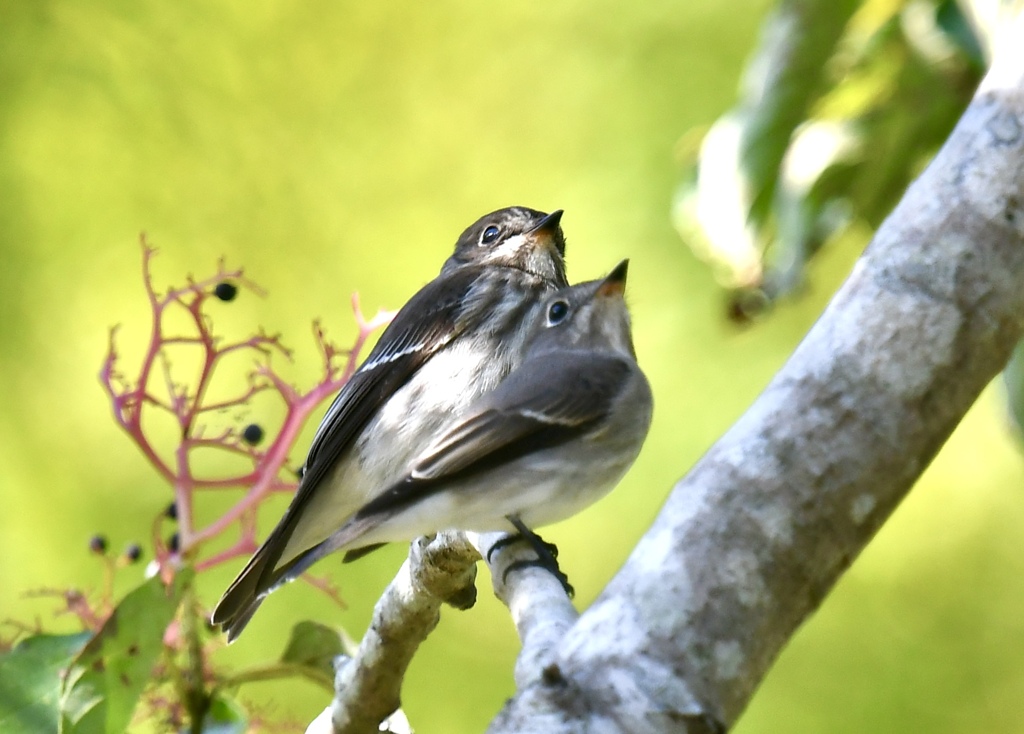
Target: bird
{"x":456,"y":338}
{"x":554,"y":437}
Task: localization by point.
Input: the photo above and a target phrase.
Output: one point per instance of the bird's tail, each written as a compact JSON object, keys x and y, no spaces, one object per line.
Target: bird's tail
{"x":260,"y":577}
{"x":243,"y":597}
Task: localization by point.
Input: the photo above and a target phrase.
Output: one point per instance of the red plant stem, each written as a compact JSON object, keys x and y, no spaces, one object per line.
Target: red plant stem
{"x":299,"y":409}
{"x":185,"y":486}
{"x":187,"y":404}
{"x":266,"y":474}
{"x":244,"y":547}
{"x":129,"y":427}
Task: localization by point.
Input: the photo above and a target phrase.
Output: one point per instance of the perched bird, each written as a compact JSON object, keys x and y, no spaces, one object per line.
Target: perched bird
{"x":454,"y":340}
{"x":551,"y":439}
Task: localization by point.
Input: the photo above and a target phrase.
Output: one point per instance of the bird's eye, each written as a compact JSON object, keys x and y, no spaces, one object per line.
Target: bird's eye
{"x":557,"y":312}
{"x":490,"y":235}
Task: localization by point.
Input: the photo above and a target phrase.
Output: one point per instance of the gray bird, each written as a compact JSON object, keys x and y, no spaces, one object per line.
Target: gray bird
{"x":551,"y":439}
{"x":554,"y":437}
{"x":454,"y":340}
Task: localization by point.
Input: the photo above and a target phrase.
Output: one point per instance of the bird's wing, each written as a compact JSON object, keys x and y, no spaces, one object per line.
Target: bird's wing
{"x":428,"y":322}
{"x":550,"y":399}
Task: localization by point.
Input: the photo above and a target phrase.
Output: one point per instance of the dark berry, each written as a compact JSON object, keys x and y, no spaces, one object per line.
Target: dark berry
{"x":98,"y":544}
{"x":745,"y":305}
{"x":133,"y":552}
{"x":173,"y":543}
{"x":171,"y":513}
{"x":226,"y":291}
{"x":252,"y":434}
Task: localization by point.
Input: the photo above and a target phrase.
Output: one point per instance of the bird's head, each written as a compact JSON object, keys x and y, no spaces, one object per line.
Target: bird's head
{"x":515,"y":237}
{"x":590,"y":315}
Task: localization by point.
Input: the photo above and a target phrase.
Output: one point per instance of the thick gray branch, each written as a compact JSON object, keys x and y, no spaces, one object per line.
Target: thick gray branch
{"x":754,"y":537}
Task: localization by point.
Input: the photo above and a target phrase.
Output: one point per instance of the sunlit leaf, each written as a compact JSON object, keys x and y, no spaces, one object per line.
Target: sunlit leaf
{"x":224,"y":716}
{"x":314,"y":646}
{"x":1013,"y":379}
{"x":30,"y":681}
{"x":783,"y":80}
{"x":797,"y":161}
{"x":106,"y":679}
{"x":950,"y":18}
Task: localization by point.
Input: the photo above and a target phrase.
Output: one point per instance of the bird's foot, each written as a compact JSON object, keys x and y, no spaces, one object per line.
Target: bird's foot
{"x":554,"y":570}
{"x":547,"y":555}
{"x":516,"y":537}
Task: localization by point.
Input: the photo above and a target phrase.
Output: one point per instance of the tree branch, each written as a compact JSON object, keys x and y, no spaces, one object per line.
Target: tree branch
{"x":439,"y":569}
{"x":541,"y":611}
{"x":751,"y":541}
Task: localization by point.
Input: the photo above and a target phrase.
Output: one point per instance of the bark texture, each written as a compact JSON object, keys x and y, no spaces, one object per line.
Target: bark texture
{"x":753,"y":538}
{"x":368,"y":685}
{"x":541,"y":611}
{"x":750,"y":542}
{"x":441,"y":569}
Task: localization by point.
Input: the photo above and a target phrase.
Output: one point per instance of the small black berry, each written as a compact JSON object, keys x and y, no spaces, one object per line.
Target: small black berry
{"x":173,"y":543}
{"x":252,"y":434}
{"x":226,"y":291}
{"x":745,"y":305}
{"x":171,"y":513}
{"x":133,"y":552}
{"x":98,"y":544}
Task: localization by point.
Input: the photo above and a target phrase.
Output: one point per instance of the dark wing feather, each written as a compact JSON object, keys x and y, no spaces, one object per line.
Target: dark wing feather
{"x":428,"y":322}
{"x":551,"y":399}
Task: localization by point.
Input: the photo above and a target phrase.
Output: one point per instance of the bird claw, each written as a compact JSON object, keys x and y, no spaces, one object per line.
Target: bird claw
{"x":547,"y":554}
{"x":554,"y":570}
{"x":502,"y":543}
{"x":511,"y":538}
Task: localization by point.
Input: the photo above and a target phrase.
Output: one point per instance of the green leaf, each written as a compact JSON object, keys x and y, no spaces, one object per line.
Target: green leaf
{"x":951,"y":19}
{"x":832,"y":125}
{"x":313,"y":645}
{"x":30,"y":681}
{"x":106,"y":679}
{"x":1013,"y":378}
{"x":224,"y":716}
{"x":782,"y":81}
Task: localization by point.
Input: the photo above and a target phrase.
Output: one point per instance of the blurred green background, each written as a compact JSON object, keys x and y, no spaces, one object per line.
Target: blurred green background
{"x":330,"y":147}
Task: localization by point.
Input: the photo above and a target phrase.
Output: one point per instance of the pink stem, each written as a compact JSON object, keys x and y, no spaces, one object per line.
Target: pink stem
{"x":299,"y":409}
{"x":273,"y":461}
{"x":244,"y":547}
{"x":128,"y":403}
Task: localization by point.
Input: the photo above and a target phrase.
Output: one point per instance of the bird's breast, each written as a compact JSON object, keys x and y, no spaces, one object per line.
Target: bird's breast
{"x":420,"y":410}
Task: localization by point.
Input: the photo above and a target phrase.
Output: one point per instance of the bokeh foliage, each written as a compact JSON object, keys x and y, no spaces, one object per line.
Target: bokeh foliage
{"x":336,"y":146}
{"x":843,"y":103}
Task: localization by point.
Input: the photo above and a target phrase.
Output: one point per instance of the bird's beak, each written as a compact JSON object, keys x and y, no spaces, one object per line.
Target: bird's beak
{"x":614,"y":284}
{"x":546,"y":231}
